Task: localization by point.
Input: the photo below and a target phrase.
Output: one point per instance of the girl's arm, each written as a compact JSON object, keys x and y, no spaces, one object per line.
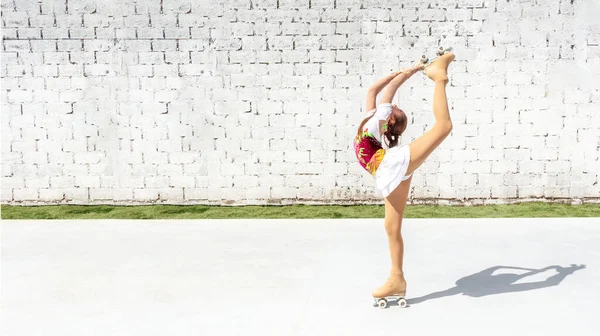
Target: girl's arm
{"x":377,"y":87}
{"x":395,"y":83}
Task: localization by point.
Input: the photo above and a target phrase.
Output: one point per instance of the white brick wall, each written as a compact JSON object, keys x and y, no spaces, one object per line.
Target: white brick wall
{"x":256,"y":101}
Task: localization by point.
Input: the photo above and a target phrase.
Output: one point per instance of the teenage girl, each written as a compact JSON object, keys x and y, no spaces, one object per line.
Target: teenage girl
{"x":392,"y":168}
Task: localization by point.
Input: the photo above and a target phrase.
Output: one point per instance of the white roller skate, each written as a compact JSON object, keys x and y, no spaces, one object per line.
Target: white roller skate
{"x":437,"y":70}
{"x":383,"y":302}
{"x":440,"y":52}
{"x":394,"y":289}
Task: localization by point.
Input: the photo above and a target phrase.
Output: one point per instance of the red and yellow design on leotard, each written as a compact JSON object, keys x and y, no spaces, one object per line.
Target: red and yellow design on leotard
{"x":369,"y":151}
{"x":375,"y":161}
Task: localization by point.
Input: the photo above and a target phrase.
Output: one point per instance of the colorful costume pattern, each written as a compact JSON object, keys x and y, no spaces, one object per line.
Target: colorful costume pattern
{"x":369,"y":151}
{"x":388,"y":167}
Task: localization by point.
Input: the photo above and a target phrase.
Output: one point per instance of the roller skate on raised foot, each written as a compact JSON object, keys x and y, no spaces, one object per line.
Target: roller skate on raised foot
{"x":394,"y":289}
{"x":438,"y":69}
{"x":440,"y":52}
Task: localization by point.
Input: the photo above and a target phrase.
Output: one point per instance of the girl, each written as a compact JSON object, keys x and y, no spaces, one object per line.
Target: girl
{"x":393,"y":168}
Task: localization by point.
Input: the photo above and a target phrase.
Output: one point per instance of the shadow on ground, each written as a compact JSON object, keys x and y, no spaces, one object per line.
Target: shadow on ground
{"x":486,"y":283}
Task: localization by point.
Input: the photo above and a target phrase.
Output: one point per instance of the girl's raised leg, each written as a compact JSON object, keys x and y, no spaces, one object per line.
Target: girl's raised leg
{"x":423,"y":146}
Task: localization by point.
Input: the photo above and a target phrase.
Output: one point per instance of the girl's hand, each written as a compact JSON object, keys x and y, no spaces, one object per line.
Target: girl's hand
{"x":396,"y":73}
{"x":413,"y":69}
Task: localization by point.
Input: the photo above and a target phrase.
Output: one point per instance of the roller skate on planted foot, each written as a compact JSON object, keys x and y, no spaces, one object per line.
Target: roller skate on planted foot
{"x":394,"y":289}
{"x":437,"y":70}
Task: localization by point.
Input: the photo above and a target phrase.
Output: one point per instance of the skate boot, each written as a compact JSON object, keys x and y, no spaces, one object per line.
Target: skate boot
{"x":393,"y":289}
{"x":438,"y":69}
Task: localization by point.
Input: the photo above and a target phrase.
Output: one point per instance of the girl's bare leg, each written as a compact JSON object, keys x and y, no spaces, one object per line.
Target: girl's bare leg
{"x":395,"y":204}
{"x":423,"y":146}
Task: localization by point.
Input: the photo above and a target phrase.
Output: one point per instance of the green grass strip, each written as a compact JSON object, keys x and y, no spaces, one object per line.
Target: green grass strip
{"x":293,"y":211}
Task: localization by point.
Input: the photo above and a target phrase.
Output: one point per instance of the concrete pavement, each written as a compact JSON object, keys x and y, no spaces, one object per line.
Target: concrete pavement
{"x":298,"y":277}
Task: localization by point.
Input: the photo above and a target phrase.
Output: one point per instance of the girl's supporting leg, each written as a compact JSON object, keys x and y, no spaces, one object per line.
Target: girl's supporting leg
{"x":395,"y":204}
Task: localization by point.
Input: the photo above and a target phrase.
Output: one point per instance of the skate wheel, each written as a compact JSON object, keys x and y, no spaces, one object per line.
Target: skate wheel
{"x":402,"y":303}
{"x":382,"y":303}
{"x":441,"y":51}
{"x":424,"y":59}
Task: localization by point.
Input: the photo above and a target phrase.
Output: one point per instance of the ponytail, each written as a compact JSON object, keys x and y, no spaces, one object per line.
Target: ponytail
{"x":392,"y":139}
{"x":393,"y":129}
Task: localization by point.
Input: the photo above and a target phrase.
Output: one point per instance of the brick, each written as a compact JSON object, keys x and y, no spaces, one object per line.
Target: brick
{"x":11,"y":83}
{"x":76,"y":194}
{"x":15,"y":19}
{"x":69,"y":45}
{"x":36,"y":20}
{"x":172,"y":195}
{"x":56,"y":57}
{"x":295,"y":56}
{"x":9,"y":58}
{"x":17,"y":45}
{"x":101,"y":194}
{"x":431,"y":14}
{"x":121,"y":34}
{"x":41,"y":45}
{"x":457,"y":14}
{"x":256,"y":69}
{"x":145,"y":195}
{"x":377,"y":14}
{"x":29,"y":33}
{"x":45,"y":71}
{"x":13,"y":182}
{"x":7,"y":195}
{"x":51,"y":195}
{"x":258,"y":192}
{"x":196,"y":193}
{"x":283,"y":193}
{"x":20,"y":96}
{"x":322,"y":28}
{"x":292,"y":28}
{"x":20,"y":71}
{"x":25,"y":194}
{"x":150,"y":33}
{"x":334,"y":42}
{"x":136,"y":45}
{"x":82,"y":33}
